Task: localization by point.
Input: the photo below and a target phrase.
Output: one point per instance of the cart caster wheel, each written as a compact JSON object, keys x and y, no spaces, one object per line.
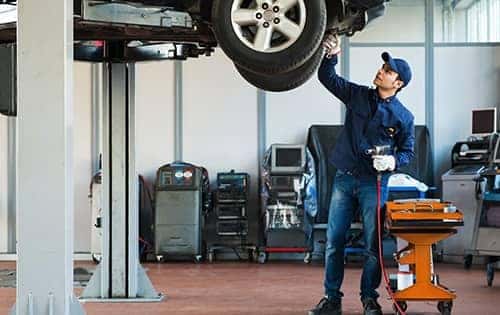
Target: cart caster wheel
{"x":198,"y":259}
{"x":211,"y":257}
{"x":251,"y":255}
{"x":467,"y":262}
{"x":402,"y":305}
{"x":160,"y":258}
{"x":262,"y":259}
{"x":445,"y":307}
{"x":96,"y":258}
{"x":308,"y":258}
{"x":490,"y":273}
{"x":440,"y":257}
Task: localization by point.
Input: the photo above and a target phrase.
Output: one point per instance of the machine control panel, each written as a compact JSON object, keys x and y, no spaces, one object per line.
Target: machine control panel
{"x":285,"y":182}
{"x":178,"y":177}
{"x":232,"y":187}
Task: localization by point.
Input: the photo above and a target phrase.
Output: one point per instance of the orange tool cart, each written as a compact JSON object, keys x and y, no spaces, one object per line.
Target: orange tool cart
{"x":421,"y":223}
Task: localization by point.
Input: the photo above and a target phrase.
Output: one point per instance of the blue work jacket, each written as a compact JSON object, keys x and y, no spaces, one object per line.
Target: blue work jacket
{"x":370,"y":120}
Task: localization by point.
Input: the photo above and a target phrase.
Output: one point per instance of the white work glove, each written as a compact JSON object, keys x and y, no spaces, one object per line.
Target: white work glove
{"x":384,"y":163}
{"x":331,"y":44}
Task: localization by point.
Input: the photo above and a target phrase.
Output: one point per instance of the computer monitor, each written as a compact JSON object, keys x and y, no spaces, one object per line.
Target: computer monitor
{"x":288,"y":158}
{"x":484,"y":121}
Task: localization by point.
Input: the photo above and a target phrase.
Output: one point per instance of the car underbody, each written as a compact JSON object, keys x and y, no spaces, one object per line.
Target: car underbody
{"x":139,"y":30}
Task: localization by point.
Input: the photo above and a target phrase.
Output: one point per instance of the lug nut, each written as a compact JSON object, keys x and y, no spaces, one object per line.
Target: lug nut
{"x":276,"y":9}
{"x":266,"y":24}
{"x":265,"y":6}
{"x":258,"y":15}
{"x":276,"y":21}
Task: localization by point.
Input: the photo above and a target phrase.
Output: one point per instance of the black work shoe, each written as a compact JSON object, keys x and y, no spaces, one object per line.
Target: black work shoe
{"x":327,"y":307}
{"x":371,"y":307}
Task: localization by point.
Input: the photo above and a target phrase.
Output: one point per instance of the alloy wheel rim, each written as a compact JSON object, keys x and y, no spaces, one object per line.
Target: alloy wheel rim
{"x":268,"y":26}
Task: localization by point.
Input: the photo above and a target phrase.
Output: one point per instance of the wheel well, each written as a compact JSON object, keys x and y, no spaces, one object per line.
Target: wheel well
{"x":206,"y":9}
{"x":346,"y":17}
{"x":335,"y":9}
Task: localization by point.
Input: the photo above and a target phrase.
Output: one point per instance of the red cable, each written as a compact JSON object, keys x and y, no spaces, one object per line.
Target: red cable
{"x":380,"y":252}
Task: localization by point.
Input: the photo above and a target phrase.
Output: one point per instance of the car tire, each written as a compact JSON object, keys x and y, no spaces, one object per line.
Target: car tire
{"x":277,"y":52}
{"x":284,"y":81}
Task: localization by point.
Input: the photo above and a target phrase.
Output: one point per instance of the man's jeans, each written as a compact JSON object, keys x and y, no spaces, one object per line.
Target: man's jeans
{"x":351,"y":193}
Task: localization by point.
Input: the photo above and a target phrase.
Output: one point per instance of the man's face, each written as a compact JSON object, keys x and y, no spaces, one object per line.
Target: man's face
{"x":387,"y":79}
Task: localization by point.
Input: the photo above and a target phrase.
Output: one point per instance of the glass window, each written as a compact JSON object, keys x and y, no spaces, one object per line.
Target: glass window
{"x":471,"y":21}
{"x":8,"y":13}
{"x":403,"y":22}
{"x":494,"y":18}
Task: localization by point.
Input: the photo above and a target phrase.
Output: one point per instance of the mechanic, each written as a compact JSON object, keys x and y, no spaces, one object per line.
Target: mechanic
{"x":374,"y":117}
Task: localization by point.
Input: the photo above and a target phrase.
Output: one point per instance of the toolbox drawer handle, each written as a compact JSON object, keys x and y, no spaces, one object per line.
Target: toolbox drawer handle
{"x":423,"y":206}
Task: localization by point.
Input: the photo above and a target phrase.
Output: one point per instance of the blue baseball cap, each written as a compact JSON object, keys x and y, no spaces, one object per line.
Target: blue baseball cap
{"x":400,"y":66}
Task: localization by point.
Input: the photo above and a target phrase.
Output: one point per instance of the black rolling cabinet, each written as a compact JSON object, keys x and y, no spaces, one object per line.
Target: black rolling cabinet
{"x":230,"y":217}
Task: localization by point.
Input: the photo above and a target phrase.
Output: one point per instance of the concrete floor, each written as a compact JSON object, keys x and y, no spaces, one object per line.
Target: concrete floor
{"x":274,"y":288}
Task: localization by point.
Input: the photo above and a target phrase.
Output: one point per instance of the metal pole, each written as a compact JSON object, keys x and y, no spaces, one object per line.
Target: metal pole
{"x":45,"y":200}
{"x":119,"y":276}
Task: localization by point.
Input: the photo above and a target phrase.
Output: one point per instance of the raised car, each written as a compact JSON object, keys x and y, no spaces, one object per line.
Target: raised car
{"x":274,"y":44}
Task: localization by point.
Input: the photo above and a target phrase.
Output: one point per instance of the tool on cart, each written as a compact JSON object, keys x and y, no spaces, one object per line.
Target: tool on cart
{"x":421,"y":223}
{"x":378,"y":150}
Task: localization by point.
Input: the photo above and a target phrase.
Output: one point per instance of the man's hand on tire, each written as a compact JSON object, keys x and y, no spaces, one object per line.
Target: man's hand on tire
{"x":331,"y":44}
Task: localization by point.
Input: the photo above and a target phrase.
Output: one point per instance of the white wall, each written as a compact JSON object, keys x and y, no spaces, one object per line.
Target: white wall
{"x":3,"y":185}
{"x":289,"y":114}
{"x":154,"y":116}
{"x":82,"y":166}
{"x":465,"y":78}
{"x":219,"y":117}
{"x":403,"y":21}
{"x":220,"y":122}
{"x":365,"y":62}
